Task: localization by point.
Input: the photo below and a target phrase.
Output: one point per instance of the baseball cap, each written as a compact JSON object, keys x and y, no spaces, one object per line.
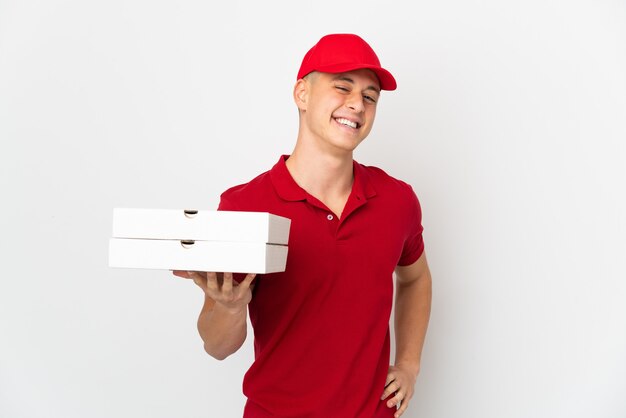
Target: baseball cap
{"x":341,"y":52}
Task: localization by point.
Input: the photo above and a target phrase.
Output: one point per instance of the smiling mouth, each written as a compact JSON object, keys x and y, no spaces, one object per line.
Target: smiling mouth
{"x":349,"y":123}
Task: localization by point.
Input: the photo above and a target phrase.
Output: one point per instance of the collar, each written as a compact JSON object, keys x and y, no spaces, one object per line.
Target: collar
{"x":288,"y":189}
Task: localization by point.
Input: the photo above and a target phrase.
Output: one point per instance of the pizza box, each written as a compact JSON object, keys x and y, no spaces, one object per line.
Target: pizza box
{"x":189,"y":255}
{"x":199,"y":240}
{"x":200,"y":225}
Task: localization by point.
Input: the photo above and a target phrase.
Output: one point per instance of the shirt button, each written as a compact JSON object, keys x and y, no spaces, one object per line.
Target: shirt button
{"x":329,"y":217}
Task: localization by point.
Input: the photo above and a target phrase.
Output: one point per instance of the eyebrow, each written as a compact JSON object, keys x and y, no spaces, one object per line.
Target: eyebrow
{"x":351,"y":81}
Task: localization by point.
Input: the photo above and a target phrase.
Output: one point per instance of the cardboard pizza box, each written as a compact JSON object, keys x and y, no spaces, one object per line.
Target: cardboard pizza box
{"x":220,"y":241}
{"x":203,"y":225}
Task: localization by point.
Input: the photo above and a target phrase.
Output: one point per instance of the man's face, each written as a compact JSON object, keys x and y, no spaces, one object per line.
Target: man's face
{"x":339,"y":109}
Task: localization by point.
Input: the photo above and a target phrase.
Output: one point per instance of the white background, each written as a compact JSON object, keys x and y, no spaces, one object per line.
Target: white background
{"x":509,"y":122}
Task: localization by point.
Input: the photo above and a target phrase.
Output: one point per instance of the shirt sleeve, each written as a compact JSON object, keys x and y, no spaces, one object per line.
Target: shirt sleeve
{"x":414,"y":242}
{"x":225,"y":202}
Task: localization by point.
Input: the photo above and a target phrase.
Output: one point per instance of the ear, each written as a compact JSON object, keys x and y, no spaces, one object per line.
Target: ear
{"x":300,"y":94}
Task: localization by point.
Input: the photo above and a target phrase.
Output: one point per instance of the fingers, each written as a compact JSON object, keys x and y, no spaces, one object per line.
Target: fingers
{"x":389,"y":389}
{"x":182,"y":274}
{"x":211,"y":281}
{"x":197,"y":278}
{"x":401,"y":393}
{"x":245,"y":283}
{"x":395,"y":401}
{"x":221,"y":286}
{"x":232,"y":290}
{"x":390,"y":378}
{"x":400,"y":411}
{"x":227,"y":285}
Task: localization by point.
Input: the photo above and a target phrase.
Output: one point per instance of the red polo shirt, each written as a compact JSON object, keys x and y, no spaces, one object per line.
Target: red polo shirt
{"x":321,"y":328}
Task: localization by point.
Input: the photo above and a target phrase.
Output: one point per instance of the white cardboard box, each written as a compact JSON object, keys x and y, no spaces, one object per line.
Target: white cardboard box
{"x":221,"y":241}
{"x":204,"y":225}
{"x":220,"y":256}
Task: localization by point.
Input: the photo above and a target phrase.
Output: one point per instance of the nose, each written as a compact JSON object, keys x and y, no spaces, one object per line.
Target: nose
{"x":355,"y":102}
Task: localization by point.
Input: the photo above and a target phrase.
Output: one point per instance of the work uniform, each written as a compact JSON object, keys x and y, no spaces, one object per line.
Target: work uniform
{"x":321,"y":327}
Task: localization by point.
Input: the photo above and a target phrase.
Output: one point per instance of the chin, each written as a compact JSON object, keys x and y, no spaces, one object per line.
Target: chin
{"x":347,"y":147}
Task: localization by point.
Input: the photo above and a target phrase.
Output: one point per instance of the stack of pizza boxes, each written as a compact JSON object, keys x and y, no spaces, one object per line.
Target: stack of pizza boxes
{"x":197,"y":240}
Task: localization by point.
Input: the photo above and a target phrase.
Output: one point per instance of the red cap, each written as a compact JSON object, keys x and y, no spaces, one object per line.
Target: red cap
{"x":343,"y":52}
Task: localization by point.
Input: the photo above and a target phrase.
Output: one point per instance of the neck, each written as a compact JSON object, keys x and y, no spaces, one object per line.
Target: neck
{"x":322,"y":174}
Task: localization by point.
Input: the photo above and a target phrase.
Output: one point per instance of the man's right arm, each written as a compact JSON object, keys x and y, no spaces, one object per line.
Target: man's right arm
{"x":222,"y":323}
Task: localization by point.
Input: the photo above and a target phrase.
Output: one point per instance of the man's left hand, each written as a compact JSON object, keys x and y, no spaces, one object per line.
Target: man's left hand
{"x":401,"y":381}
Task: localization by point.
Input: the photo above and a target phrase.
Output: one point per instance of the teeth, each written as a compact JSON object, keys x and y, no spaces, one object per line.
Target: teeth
{"x":347,"y":122}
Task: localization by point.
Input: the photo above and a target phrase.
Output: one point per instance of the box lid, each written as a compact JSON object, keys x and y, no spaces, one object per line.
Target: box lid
{"x":200,"y":225}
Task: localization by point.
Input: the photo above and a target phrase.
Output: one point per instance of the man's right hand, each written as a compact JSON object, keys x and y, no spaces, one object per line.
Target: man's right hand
{"x":222,"y":289}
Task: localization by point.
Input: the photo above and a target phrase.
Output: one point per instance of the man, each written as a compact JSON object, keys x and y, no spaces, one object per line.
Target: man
{"x":322,"y":326}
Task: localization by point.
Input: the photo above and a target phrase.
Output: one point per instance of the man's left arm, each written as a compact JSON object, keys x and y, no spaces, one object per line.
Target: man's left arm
{"x":412,"y":313}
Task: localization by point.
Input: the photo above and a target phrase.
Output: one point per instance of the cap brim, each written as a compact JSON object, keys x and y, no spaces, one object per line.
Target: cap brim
{"x":387,"y":81}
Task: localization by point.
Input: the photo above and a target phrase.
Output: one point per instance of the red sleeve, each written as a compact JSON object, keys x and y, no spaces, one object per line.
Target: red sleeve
{"x":225,"y":203}
{"x":414,"y":243}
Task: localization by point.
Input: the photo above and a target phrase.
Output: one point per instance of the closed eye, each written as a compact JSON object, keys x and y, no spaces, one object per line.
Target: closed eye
{"x":370,"y":99}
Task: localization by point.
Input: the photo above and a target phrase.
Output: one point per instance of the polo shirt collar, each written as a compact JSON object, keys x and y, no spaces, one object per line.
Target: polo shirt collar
{"x":285,"y":185}
{"x":288,"y":189}
{"x":362,"y":186}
